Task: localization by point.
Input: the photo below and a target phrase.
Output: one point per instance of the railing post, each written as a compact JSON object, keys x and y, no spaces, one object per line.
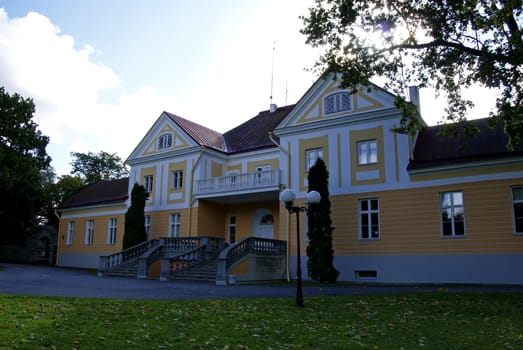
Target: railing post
{"x":221,"y":273}
{"x":166,"y":269}
{"x":142,"y":268}
{"x":102,"y":268}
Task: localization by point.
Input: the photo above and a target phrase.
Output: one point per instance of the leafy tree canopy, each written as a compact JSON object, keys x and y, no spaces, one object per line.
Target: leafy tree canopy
{"x":448,"y":45}
{"x":93,"y":167}
{"x":24,"y":168}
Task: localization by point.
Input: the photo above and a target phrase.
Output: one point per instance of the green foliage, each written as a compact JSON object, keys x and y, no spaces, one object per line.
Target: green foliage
{"x":57,"y":192}
{"x":93,"y":167}
{"x":431,"y":321}
{"x":319,"y":251}
{"x":448,"y":45}
{"x":135,"y":218}
{"x":24,"y":168}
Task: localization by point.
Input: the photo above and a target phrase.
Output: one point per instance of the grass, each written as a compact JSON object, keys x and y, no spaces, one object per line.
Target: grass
{"x":415,"y":321}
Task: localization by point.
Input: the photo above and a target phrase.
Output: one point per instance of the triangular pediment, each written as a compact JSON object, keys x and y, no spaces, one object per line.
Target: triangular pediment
{"x":164,"y":136}
{"x":325,"y":100}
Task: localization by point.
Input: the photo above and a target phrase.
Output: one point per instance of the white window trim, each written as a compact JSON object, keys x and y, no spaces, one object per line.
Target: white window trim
{"x":89,"y":232}
{"x":162,"y":140}
{"x":174,"y":225}
{"x":368,"y":154}
{"x":335,"y":96}
{"x":452,"y":207}
{"x":70,"y":233}
{"x":148,"y":181}
{"x":112,"y":226}
{"x":515,"y":201}
{"x":369,"y":213}
{"x":314,"y":151}
{"x":229,"y":226}
{"x":176,"y":179}
{"x":147,"y":225}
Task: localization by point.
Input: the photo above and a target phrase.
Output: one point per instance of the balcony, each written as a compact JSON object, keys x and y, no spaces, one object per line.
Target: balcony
{"x":258,"y":181}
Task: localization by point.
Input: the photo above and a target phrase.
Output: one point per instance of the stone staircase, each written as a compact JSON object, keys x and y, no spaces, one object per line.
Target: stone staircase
{"x":128,"y":269}
{"x":205,"y":272}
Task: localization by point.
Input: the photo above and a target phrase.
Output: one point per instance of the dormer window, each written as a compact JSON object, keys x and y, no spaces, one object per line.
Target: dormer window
{"x":165,"y":141}
{"x":337,"y":102}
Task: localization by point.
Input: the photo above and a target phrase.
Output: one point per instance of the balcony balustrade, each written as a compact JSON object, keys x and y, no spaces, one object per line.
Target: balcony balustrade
{"x":257,"y":181}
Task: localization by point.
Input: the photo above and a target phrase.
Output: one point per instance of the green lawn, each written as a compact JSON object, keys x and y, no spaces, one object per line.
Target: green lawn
{"x":414,"y":321}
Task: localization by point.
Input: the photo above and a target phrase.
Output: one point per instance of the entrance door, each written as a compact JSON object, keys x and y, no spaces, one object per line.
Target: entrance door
{"x":263,"y":224}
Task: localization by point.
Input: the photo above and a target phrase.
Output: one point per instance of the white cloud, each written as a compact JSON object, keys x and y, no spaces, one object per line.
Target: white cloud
{"x":39,"y":62}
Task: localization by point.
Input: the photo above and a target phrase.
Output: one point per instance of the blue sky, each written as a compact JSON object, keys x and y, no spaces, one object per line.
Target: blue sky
{"x":101,"y":72}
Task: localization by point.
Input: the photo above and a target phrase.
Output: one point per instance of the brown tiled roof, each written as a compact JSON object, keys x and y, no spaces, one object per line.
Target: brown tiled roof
{"x":253,"y":134}
{"x":200,"y":134}
{"x":434,"y":150}
{"x":100,"y":193}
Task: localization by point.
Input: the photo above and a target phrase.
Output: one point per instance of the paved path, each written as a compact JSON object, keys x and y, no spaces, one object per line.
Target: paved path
{"x":52,"y":281}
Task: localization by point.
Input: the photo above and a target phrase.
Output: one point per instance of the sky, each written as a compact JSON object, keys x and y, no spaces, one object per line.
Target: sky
{"x":101,"y":72}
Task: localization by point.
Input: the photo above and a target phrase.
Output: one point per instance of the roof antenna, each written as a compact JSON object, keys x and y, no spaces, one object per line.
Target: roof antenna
{"x":273,"y":106}
{"x":286,"y":91}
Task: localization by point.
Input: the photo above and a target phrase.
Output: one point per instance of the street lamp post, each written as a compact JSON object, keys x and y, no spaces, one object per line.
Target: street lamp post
{"x":287,"y":197}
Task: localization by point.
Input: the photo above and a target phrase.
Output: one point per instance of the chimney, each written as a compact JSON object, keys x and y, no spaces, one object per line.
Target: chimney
{"x":273,"y":108}
{"x":414,"y":96}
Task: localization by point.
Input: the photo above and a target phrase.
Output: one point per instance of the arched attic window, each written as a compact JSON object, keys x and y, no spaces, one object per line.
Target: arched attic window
{"x":165,"y":140}
{"x":337,"y":102}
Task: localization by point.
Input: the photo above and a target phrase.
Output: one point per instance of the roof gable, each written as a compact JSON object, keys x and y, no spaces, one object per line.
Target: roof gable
{"x":320,"y":103}
{"x":149,"y":145}
{"x":199,"y":134}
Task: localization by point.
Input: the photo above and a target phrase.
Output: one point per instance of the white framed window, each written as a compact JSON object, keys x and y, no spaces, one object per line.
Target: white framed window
{"x":70,"y":233}
{"x":147,"y":224}
{"x":174,"y":225}
{"x":452,"y":214}
{"x":165,"y":140}
{"x":337,"y":102}
{"x":367,"y":152}
{"x":369,"y":218}
{"x":148,"y":183}
{"x":311,"y":156}
{"x":232,"y":229}
{"x":111,"y":231}
{"x":89,"y":232}
{"x":234,"y":178}
{"x":177,"y":179}
{"x":517,"y":208}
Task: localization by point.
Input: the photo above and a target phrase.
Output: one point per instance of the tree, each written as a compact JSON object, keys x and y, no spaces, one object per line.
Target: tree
{"x":135,"y":218}
{"x":448,"y":45}
{"x":57,"y":192}
{"x":93,"y":167}
{"x":319,"y":251}
{"x":24,"y":166}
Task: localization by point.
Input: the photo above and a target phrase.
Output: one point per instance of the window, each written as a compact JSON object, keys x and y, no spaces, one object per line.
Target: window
{"x":70,"y":233}
{"x":452,"y":214}
{"x":174,"y":225}
{"x":517,"y":200}
{"x":311,"y":155}
{"x":369,"y":219}
{"x":148,"y":183}
{"x":89,"y":232}
{"x":111,"y":231}
{"x":165,"y":141}
{"x":367,"y":152}
{"x":147,"y":225}
{"x":177,"y":179}
{"x":338,"y":102}
{"x":232,"y":229}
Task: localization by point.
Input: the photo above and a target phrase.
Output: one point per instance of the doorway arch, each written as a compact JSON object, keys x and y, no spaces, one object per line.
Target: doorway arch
{"x":262,"y":224}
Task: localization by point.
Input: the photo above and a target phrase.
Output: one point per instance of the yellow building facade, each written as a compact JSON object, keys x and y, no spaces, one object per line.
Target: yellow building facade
{"x":405,"y":209}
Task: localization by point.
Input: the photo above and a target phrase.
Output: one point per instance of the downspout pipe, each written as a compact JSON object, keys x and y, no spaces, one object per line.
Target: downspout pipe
{"x":191,"y":192}
{"x":287,"y":153}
